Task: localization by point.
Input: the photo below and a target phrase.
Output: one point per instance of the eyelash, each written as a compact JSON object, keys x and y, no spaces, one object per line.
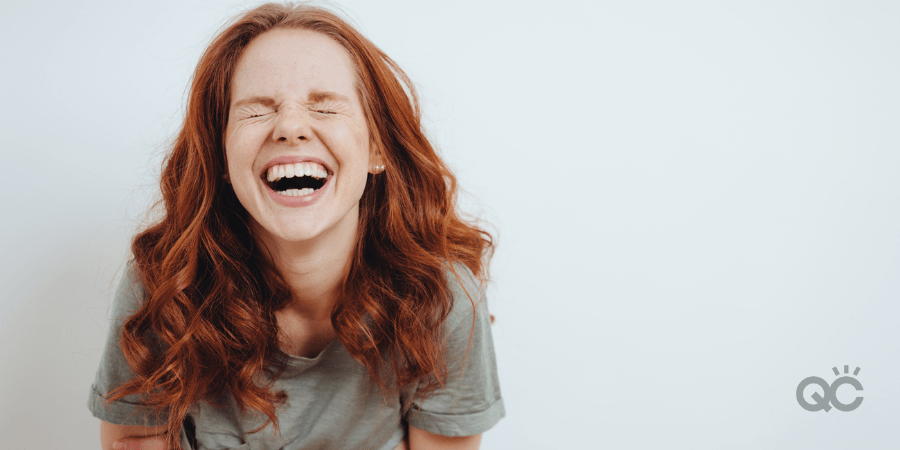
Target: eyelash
{"x":318,"y":111}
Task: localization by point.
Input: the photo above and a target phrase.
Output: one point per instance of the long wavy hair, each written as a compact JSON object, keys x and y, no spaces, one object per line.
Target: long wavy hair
{"x":207,"y":326}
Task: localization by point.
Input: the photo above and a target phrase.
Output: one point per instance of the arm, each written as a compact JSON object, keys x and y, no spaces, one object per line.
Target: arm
{"x":423,"y":440}
{"x":112,"y":433}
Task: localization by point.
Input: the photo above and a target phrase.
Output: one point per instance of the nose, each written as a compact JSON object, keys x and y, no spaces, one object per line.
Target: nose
{"x":292,"y":126}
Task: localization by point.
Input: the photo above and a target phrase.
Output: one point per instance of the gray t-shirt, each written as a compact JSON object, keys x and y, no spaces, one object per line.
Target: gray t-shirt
{"x":332,"y":403}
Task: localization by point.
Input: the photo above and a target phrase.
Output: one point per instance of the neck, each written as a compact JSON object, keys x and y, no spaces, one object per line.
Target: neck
{"x":314,"y":269}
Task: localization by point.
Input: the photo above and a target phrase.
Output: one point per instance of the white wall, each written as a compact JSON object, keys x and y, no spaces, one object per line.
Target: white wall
{"x":697,"y":204}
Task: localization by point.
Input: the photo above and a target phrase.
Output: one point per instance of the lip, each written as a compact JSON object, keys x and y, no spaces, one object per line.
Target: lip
{"x":293,"y":160}
{"x":290,"y":201}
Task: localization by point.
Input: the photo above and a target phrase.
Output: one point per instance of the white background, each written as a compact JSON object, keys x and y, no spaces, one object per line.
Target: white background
{"x":697,"y":204}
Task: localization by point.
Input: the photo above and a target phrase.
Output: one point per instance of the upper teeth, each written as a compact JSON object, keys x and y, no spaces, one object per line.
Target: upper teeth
{"x":309,"y":169}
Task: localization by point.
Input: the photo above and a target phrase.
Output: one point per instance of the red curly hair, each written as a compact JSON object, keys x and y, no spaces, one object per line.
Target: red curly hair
{"x":212,"y":296}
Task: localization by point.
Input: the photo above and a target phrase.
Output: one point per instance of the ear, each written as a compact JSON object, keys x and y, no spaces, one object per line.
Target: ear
{"x":376,"y":161}
{"x":225,"y":175}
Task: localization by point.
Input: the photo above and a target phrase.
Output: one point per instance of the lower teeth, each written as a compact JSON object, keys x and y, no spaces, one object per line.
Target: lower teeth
{"x":298,"y":192}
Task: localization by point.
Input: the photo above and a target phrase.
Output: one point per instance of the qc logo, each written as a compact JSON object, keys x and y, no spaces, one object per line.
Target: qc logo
{"x":830,"y":392}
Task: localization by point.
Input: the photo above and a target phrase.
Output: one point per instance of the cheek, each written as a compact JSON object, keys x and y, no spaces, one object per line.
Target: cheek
{"x":231,"y":146}
{"x":362,"y":143}
{"x":241,"y":146}
{"x":360,"y":159}
{"x":349,"y":145}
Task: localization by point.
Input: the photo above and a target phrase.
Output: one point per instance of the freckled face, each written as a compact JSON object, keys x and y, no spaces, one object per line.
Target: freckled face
{"x":294,"y":110}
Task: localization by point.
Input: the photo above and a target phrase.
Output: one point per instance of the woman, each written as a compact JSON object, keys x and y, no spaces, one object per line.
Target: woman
{"x":311,"y":284}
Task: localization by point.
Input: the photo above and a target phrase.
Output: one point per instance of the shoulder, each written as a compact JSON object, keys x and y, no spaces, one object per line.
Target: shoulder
{"x":467,"y":294}
{"x":130,"y":294}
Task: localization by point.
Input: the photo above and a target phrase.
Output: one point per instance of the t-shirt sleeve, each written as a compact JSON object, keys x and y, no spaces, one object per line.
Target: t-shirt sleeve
{"x":470,"y":402}
{"x":114,"y":370}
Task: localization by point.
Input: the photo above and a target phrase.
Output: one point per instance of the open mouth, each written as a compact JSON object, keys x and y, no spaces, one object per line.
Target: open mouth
{"x":297,"y":179}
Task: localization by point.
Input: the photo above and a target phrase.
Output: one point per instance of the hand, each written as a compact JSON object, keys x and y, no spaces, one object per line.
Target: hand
{"x":141,"y":443}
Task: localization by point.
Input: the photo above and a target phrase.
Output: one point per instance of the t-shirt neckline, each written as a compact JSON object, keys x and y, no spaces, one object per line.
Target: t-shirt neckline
{"x":294,"y":365}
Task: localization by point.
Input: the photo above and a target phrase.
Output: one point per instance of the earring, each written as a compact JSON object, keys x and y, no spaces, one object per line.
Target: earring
{"x":377,"y":168}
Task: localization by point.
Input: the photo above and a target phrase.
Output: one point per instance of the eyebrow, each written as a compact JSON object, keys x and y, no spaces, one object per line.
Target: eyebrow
{"x":321,"y":96}
{"x":262,"y":100}
{"x":314,"y":97}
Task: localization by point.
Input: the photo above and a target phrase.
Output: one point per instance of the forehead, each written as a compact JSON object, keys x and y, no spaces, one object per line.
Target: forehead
{"x":290,"y":62}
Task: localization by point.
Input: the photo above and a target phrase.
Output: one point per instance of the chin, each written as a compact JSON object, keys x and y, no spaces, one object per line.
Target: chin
{"x":299,"y":233}
{"x":306,"y":225}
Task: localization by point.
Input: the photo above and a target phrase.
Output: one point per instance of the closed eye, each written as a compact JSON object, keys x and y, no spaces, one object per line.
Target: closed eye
{"x":252,"y":116}
{"x":325,"y":111}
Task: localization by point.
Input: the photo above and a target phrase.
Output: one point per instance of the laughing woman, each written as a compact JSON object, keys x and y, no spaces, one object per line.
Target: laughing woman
{"x":311,"y":284}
